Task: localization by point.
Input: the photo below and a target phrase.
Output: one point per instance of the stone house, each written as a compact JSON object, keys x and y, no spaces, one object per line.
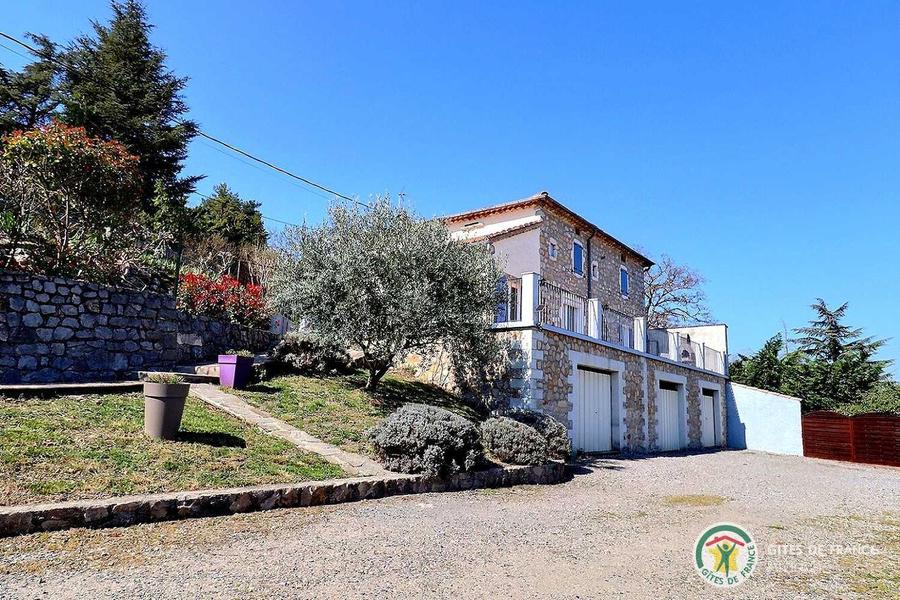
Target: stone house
{"x":574,"y":311}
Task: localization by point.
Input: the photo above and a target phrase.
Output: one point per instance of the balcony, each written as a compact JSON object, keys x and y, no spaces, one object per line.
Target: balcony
{"x":529,"y":301}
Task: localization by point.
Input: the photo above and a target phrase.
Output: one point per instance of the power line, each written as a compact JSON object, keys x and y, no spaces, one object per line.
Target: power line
{"x":201,"y":133}
{"x":202,"y":195}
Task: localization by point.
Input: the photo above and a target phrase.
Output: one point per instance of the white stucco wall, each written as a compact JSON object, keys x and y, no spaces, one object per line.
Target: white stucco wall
{"x":714,"y":336}
{"x":519,"y":253}
{"x":762,"y":420}
{"x":488,"y":220}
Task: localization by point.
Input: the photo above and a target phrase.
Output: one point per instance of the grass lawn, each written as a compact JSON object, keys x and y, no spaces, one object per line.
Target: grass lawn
{"x":94,"y":446}
{"x":338,"y":411}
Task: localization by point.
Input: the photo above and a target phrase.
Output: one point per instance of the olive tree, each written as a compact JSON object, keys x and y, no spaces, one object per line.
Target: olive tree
{"x":385,"y":281}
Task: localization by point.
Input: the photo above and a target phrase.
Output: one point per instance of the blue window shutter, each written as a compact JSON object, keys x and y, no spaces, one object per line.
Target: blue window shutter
{"x":623,"y":281}
{"x":578,"y":258}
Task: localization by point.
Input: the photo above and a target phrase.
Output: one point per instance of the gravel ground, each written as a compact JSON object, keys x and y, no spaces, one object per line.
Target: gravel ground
{"x":623,"y":528}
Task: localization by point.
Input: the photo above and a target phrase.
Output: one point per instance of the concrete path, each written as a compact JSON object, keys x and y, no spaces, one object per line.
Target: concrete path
{"x":353,"y":464}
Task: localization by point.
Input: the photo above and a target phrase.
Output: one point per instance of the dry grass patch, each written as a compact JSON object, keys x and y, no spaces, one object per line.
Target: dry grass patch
{"x":78,"y":447}
{"x":870,"y":575}
{"x":695,"y":500}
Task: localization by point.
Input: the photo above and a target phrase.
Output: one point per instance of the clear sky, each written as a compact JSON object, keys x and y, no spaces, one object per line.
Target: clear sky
{"x":758,"y":143}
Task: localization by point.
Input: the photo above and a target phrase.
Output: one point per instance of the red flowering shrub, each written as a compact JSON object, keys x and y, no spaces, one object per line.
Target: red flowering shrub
{"x":223,"y":297}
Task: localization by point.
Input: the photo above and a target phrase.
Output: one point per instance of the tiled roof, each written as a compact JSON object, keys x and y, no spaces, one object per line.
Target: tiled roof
{"x":544,"y":199}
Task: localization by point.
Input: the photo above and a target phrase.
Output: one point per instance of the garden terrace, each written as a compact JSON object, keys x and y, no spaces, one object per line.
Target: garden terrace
{"x":338,"y":411}
{"x":77,"y":447}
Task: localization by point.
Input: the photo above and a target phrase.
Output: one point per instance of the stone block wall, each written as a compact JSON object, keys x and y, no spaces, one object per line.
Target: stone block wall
{"x":609,"y":259}
{"x":62,"y":330}
{"x":554,"y":368}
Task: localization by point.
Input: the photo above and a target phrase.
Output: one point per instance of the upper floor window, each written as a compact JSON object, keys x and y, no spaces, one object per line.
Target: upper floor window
{"x":578,"y":259}
{"x":623,"y":281}
{"x":595,"y":270}
{"x":552,"y":249}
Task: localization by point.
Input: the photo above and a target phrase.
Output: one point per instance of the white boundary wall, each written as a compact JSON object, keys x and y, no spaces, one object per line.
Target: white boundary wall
{"x":763,"y":420}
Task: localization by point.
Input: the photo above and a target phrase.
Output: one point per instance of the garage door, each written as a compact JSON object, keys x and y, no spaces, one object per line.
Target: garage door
{"x":592,"y":426}
{"x":667,"y":437}
{"x":707,"y":418}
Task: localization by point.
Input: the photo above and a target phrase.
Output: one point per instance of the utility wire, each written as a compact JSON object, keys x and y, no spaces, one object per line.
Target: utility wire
{"x":204,"y":134}
{"x":202,"y":195}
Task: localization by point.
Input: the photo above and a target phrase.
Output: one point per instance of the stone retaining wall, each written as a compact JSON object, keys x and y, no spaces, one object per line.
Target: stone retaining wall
{"x":130,"y":510}
{"x":62,"y":330}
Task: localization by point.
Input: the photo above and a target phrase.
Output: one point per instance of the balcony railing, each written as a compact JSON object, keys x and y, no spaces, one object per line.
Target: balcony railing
{"x":679,"y":347}
{"x":561,"y":308}
{"x":528,"y":301}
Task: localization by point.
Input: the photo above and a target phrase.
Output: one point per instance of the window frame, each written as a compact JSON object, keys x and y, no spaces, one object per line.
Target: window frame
{"x":626,"y":281}
{"x":574,"y":270}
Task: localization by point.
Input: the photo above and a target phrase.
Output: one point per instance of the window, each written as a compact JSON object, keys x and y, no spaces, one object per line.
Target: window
{"x":623,"y":281}
{"x":578,"y":259}
{"x":513,"y":303}
{"x":552,"y":249}
{"x":570,"y":318}
{"x":595,"y":270}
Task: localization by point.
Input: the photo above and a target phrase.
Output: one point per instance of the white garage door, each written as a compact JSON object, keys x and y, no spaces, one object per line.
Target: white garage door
{"x":707,"y":420}
{"x":667,"y":437}
{"x":592,"y":426}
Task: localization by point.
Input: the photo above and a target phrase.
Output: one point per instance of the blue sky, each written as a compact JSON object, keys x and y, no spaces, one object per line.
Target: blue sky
{"x":758,"y":143}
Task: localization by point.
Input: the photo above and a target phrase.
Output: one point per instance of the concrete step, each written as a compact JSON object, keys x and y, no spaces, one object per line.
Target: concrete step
{"x":212,"y":369}
{"x":188,"y":377}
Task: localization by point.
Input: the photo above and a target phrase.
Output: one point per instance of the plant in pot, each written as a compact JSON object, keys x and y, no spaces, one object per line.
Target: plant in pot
{"x":235,"y":368}
{"x":164,"y":396}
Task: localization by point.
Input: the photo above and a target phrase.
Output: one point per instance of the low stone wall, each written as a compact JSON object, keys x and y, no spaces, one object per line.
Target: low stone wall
{"x":130,"y":510}
{"x":62,"y":330}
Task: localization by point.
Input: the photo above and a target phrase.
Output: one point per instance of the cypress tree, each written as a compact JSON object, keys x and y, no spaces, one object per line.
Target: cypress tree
{"x":120,"y":88}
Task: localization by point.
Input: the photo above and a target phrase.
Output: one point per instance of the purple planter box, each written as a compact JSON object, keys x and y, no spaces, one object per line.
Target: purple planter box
{"x":235,"y":371}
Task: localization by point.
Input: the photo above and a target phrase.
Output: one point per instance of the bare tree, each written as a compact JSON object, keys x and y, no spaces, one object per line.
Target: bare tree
{"x":674,"y":295}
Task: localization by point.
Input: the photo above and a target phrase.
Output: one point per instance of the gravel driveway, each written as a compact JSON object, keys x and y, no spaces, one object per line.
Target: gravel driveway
{"x":619,"y":528}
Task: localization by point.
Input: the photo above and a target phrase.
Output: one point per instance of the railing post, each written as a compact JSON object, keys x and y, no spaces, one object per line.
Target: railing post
{"x":531,"y":284}
{"x":640,"y":334}
{"x":595,"y":317}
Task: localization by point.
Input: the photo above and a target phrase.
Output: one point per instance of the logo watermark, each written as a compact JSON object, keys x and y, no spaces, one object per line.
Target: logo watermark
{"x":822,"y":550}
{"x":725,"y":555}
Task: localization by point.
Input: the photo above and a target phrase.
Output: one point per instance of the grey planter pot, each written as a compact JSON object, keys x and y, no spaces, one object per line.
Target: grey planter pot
{"x":163,"y":407}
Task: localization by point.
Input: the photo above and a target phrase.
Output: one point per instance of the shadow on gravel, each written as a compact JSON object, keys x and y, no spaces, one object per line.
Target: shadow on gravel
{"x":584,"y":464}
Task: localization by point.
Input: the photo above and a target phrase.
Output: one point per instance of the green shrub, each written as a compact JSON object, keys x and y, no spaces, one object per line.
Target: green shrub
{"x":307,"y":354}
{"x":514,"y":442}
{"x":425,"y":439}
{"x":166,"y":378}
{"x":556,"y":434}
{"x":244,"y":353}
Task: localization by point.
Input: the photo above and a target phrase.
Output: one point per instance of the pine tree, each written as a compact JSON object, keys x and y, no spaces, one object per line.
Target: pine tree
{"x":236,"y":220}
{"x":827,"y":338}
{"x":30,"y":97}
{"x":840,"y":368}
{"x":120,"y":88}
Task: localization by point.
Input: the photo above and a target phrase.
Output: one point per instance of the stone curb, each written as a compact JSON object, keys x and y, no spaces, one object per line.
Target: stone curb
{"x":130,"y":510}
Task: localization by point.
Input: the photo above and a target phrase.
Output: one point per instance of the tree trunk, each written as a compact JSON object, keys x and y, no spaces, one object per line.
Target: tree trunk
{"x":375,"y":375}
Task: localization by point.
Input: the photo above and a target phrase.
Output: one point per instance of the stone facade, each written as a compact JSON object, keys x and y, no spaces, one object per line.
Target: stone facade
{"x":609,"y":259}
{"x":61,"y":330}
{"x":547,"y":386}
